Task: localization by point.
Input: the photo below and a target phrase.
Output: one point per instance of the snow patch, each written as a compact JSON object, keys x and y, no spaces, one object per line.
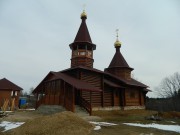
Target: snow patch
{"x":6,"y":111}
{"x":99,"y":124}
{"x":175,"y":128}
{"x":172,"y":121}
{"x":97,"y":128}
{"x":29,"y":109}
{"x":10,"y":125}
{"x":103,"y":123}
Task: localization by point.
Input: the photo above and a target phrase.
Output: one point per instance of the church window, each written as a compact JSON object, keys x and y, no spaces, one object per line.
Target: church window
{"x":82,"y":53}
{"x":81,"y":46}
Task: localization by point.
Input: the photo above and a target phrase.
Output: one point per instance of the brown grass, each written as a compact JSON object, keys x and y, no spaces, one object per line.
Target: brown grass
{"x":170,"y":114}
{"x":124,"y":113}
{"x":132,"y":116}
{"x":130,"y":130}
{"x":124,"y":116}
{"x":68,"y":123}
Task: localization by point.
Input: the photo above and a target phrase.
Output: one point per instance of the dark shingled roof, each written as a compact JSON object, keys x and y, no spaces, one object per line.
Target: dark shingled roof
{"x":79,"y":84}
{"x":118,"y":60}
{"x":83,"y":33}
{"x":132,"y":82}
{"x":83,"y":67}
{"x":112,"y":84}
{"x":83,"y":36}
{"x":8,"y":85}
{"x":136,"y":83}
{"x":147,"y":90}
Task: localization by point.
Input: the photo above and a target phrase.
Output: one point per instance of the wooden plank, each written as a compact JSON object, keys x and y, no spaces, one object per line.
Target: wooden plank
{"x":73,"y":99}
{"x":91,"y":78}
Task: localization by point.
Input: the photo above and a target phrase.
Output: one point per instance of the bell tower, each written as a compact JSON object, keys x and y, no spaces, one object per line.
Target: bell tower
{"x":118,"y":65}
{"x":82,"y":47}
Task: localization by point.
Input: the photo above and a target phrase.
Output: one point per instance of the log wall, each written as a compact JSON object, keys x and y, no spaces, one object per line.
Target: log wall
{"x":121,"y":72}
{"x":142,"y":98}
{"x":96,"y":99}
{"x":108,"y":96}
{"x":86,"y":95}
{"x":117,"y":97}
{"x":82,"y":61}
{"x":58,"y":93}
{"x":91,"y":78}
{"x":95,"y":80}
{"x":132,"y":97}
{"x":6,"y":94}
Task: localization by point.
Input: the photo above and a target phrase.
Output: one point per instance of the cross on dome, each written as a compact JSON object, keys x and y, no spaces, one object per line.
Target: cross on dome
{"x":117,"y":43}
{"x":84,"y":15}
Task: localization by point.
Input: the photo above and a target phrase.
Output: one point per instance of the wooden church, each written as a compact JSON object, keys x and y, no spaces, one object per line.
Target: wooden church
{"x":88,"y":87}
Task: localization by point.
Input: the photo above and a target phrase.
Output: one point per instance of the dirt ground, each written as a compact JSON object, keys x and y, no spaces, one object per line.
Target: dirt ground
{"x":117,"y":117}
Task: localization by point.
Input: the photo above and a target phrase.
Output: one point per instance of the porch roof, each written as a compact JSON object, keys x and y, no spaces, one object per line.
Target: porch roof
{"x":79,"y":84}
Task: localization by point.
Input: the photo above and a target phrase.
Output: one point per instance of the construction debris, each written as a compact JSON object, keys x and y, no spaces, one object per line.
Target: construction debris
{"x":154,"y":117}
{"x":9,"y":105}
{"x":3,"y":114}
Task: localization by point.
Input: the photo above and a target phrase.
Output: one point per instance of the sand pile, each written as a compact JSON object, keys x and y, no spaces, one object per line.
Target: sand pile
{"x":65,"y":123}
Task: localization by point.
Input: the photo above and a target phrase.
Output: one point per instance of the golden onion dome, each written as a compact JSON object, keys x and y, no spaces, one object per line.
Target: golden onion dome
{"x":117,"y":43}
{"x":83,"y":14}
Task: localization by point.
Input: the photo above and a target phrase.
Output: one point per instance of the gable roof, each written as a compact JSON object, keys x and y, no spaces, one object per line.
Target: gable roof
{"x":118,"y":60}
{"x":131,"y":82}
{"x":8,"y":85}
{"x":79,"y":84}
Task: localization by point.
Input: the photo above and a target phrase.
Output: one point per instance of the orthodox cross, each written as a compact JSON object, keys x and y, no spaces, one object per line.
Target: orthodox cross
{"x":117,"y":33}
{"x":84,"y":6}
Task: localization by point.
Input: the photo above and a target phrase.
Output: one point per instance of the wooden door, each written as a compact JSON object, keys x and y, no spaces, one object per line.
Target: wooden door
{"x":116,"y":97}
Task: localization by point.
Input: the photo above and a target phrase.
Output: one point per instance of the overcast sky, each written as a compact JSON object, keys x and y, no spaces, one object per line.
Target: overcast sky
{"x":35,"y":37}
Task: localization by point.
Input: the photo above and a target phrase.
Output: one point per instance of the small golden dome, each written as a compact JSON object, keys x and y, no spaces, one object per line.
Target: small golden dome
{"x":83,"y":14}
{"x":117,"y":43}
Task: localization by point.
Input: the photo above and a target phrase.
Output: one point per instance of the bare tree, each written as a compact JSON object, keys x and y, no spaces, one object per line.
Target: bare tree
{"x":169,"y":91}
{"x":31,"y":90}
{"x":169,"y":86}
{"x":24,"y":93}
